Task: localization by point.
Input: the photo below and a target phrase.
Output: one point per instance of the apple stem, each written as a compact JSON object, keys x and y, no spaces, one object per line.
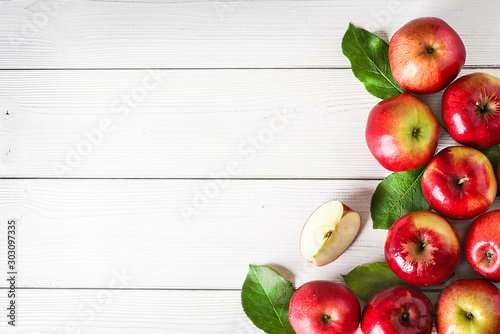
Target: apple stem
{"x":326,"y":318}
{"x":429,"y":50}
{"x":489,"y":255}
{"x":424,"y":244}
{"x":462,"y":180}
{"x":405,"y":317}
{"x":482,"y":107}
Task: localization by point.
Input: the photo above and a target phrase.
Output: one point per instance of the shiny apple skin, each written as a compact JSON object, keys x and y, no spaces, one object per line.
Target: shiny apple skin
{"x":315,"y":299}
{"x":390,"y":132}
{"x":471,"y":110}
{"x":397,"y":310}
{"x":441,"y":183}
{"x":476,"y":296}
{"x":418,"y":71}
{"x":482,"y":245}
{"x":422,"y":248}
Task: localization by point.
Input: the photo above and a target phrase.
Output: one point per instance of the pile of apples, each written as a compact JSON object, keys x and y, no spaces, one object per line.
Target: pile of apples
{"x":422,"y":247}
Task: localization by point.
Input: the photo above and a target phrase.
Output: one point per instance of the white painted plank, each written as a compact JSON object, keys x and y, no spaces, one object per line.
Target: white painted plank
{"x":167,"y":234}
{"x":219,"y":34}
{"x":130,"y":312}
{"x":82,"y":233}
{"x":121,"y":311}
{"x":269,"y":123}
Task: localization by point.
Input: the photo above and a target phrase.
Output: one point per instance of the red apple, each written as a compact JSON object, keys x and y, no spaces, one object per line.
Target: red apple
{"x":402,"y":132}
{"x":324,"y":307}
{"x":422,"y":248}
{"x":469,"y":306}
{"x":328,"y":232}
{"x":426,"y":54}
{"x":459,"y":183}
{"x":471,"y":110}
{"x":398,"y":309}
{"x":482,"y":245}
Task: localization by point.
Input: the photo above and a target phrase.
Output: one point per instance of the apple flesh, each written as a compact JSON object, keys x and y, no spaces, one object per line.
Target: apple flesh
{"x":398,"y":309}
{"x":482,"y":245}
{"x":459,"y":183}
{"x":469,"y":306}
{"x":422,"y":248}
{"x":324,"y":307}
{"x":425,"y":55}
{"x":471,"y":110}
{"x":402,"y":132}
{"x":328,"y":232}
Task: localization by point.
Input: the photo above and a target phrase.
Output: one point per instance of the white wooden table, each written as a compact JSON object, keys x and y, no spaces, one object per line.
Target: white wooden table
{"x":150,"y":150}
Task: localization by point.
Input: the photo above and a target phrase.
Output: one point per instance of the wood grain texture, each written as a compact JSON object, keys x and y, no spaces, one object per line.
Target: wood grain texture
{"x":167,"y":234}
{"x":152,"y":149}
{"x":131,"y":312}
{"x":219,"y":34}
{"x":188,"y":124}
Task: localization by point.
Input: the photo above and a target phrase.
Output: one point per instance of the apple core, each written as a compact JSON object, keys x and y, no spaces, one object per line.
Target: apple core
{"x":328,"y":232}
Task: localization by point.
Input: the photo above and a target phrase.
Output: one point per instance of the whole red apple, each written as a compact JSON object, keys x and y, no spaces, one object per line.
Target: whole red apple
{"x":471,"y":110}
{"x":402,"y":132}
{"x":459,"y":183}
{"x":324,"y":307}
{"x":469,"y":306}
{"x":482,"y":245}
{"x":398,"y":309}
{"x":426,"y":54}
{"x":422,"y":248}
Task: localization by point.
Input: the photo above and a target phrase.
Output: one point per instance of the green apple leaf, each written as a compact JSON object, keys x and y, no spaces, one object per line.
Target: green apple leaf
{"x":397,"y":195}
{"x":367,"y":280}
{"x":493,"y":154}
{"x":265,"y":297}
{"x":369,"y":57}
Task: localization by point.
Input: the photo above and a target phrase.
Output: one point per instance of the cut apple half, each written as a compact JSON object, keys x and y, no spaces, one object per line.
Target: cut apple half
{"x":328,"y":232}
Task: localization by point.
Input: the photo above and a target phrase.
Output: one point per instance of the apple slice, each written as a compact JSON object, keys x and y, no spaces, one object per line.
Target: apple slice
{"x":328,"y":232}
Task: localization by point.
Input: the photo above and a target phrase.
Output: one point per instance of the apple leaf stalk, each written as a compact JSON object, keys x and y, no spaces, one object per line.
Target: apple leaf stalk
{"x":265,"y":297}
{"x":369,"y":57}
